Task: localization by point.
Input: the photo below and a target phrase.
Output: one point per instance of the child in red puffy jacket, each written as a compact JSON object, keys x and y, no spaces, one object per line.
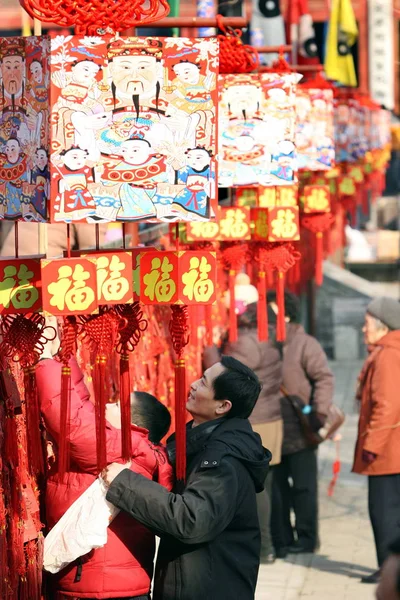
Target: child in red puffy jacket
{"x":123,"y":568}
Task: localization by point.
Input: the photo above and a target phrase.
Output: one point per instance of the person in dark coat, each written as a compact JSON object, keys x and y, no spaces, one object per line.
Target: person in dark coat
{"x":264,"y":359}
{"x":210,"y":536}
{"x":306,"y":374}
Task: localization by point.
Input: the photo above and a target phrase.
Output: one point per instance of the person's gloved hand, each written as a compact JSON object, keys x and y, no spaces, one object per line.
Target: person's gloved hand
{"x":368,"y":457}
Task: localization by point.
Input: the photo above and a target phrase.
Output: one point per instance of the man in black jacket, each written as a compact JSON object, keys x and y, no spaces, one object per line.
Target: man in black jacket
{"x":210,"y":537}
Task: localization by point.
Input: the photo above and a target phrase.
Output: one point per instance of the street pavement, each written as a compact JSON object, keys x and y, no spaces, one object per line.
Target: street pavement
{"x":347,"y":548}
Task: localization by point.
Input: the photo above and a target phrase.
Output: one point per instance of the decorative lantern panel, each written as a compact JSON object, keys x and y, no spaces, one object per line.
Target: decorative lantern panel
{"x":316,"y":199}
{"x":276,"y":224}
{"x":202,"y":231}
{"x":114,"y":277}
{"x":182,"y":277}
{"x":234,"y":223}
{"x":287,"y":195}
{"x":20,"y":286}
{"x":69,"y":286}
{"x":133,"y":128}
{"x":137,"y":254}
{"x":267,"y":196}
{"x":24,"y":118}
{"x":315,"y":134}
{"x":257,"y":143}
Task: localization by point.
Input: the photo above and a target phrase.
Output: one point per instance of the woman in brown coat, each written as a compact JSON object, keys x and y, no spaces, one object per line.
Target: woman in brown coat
{"x":377,"y":452}
{"x":306,"y":374}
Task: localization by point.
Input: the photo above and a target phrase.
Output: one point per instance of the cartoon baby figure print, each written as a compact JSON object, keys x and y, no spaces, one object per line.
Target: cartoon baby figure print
{"x":198,"y":178}
{"x":13,"y":176}
{"x":191,"y":89}
{"x":138,"y":172}
{"x":74,"y":201}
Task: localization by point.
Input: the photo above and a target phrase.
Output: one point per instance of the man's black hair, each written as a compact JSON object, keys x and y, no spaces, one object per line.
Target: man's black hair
{"x":292,"y":305}
{"x":238,"y":384}
{"x":150,"y":413}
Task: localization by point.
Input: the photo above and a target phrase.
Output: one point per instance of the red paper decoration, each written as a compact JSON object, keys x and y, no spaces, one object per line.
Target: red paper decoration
{"x":234,"y":224}
{"x":316,"y":199}
{"x":182,"y":277}
{"x":69,"y":286}
{"x":276,"y":224}
{"x":20,"y":286}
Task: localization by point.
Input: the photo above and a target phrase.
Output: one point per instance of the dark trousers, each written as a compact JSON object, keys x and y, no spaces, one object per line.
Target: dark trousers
{"x":384,"y":511}
{"x":264,"y":500}
{"x":302,"y":496}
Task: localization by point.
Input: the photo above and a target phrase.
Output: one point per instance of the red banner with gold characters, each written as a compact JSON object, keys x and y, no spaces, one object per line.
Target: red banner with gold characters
{"x":316,"y":199}
{"x":276,"y":224}
{"x":234,"y":223}
{"x":69,"y":286}
{"x":20,"y":286}
{"x":114,"y":276}
{"x":182,"y":277}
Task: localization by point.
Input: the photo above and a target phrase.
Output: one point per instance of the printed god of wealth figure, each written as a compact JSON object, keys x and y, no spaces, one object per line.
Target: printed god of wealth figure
{"x":243,"y":134}
{"x":137,"y":100}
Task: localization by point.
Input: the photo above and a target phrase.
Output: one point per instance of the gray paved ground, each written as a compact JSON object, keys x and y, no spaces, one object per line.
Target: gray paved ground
{"x":347,"y":549}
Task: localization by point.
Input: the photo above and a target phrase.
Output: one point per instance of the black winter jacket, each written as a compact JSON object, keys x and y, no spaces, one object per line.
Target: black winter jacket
{"x":210,"y":538}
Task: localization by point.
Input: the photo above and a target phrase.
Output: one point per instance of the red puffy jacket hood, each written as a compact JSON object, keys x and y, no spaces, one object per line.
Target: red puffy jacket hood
{"x":124,"y":566}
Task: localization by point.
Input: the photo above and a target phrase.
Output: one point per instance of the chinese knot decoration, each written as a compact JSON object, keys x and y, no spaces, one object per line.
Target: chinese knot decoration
{"x":96,"y":17}
{"x":280,"y":258}
{"x":234,"y":56}
{"x":318,"y":224}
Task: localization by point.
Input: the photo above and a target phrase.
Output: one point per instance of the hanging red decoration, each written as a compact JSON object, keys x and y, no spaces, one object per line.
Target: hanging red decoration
{"x":234,"y":56}
{"x":65,"y":353}
{"x":131,"y":326}
{"x":280,"y":258}
{"x":24,"y":338}
{"x":233,"y":257}
{"x":97,"y":17}
{"x":318,"y":224}
{"x":179,"y":331}
{"x":100,"y":332}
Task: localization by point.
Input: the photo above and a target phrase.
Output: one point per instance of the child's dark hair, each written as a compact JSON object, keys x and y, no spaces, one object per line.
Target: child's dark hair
{"x":150,"y":413}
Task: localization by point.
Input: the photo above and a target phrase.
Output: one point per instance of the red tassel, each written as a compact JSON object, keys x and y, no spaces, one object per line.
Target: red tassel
{"x":100,"y":411}
{"x":209,"y":326}
{"x":262,"y":313}
{"x":233,"y":333}
{"x":125,"y":401}
{"x":34,"y":437}
{"x":178,"y":328}
{"x":180,"y":419}
{"x":280,"y":300}
{"x":65,"y":412}
{"x":319,"y":258}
